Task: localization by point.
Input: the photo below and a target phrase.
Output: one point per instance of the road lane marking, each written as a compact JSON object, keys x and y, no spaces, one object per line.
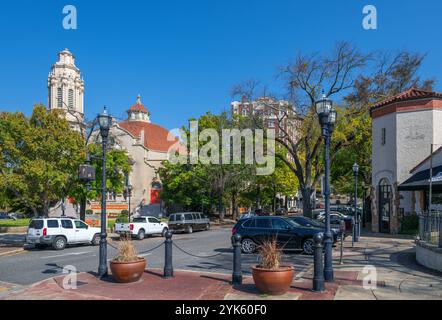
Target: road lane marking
{"x":66,"y":254}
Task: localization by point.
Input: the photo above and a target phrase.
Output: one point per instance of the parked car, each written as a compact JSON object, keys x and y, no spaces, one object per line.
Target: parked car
{"x":16,"y":216}
{"x":141,"y":226}
{"x":246,"y":215}
{"x":311,"y":223}
{"x":59,"y":232}
{"x":288,"y":234}
{"x":262,"y":213}
{"x":188,"y":222}
{"x":335,"y":221}
{"x":281,"y":211}
{"x":6,"y":216}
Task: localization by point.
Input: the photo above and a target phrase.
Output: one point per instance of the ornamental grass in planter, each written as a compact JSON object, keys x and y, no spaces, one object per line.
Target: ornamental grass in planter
{"x":270,"y":276}
{"x":127,"y":266}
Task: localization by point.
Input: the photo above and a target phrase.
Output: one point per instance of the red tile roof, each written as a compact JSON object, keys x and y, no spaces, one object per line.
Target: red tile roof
{"x":410,"y":94}
{"x":138,"y":106}
{"x":155,"y":137}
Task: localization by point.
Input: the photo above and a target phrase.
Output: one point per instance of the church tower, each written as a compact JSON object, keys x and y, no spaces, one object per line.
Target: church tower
{"x":66,"y":89}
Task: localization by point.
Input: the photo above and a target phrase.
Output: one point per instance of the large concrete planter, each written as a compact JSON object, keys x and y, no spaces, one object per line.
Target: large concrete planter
{"x":273,"y":282}
{"x":125,"y":272}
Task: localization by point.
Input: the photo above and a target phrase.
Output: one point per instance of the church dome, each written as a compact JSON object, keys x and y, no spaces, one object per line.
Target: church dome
{"x":138,"y":112}
{"x":151,"y":136}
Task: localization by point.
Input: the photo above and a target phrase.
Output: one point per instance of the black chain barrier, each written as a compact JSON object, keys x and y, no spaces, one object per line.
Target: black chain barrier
{"x":146,"y":251}
{"x":196,"y":256}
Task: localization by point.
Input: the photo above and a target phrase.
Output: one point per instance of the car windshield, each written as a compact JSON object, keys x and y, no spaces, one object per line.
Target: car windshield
{"x":139,"y":220}
{"x":293,"y":223}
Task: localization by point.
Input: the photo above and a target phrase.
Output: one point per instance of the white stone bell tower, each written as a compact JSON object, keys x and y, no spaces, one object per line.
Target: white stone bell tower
{"x":66,"y":89}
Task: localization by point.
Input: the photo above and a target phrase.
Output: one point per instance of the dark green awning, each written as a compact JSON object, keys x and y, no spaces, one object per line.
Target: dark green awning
{"x":421,"y":181}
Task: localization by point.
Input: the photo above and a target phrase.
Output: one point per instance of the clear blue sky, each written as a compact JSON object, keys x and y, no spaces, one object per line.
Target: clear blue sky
{"x":184,"y":56}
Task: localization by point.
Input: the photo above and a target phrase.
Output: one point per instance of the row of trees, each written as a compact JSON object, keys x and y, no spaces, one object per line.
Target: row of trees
{"x":355,"y":81}
{"x":39,"y":159}
{"x":213,"y":187}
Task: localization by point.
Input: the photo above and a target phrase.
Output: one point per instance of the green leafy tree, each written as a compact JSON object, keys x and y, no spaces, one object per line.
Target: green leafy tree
{"x":118,"y":165}
{"x":362,"y":79}
{"x":38,"y":157}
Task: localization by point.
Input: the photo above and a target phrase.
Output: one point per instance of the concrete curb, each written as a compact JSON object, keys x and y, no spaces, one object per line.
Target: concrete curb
{"x":2,"y":254}
{"x":18,"y":230}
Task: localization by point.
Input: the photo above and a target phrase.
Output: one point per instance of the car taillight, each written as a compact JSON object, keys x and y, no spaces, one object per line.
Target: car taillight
{"x":45,"y":232}
{"x":131,"y":227}
{"x":234,"y":231}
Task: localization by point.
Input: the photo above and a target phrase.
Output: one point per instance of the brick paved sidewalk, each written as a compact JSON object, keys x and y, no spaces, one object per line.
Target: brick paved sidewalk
{"x":186,"y":285}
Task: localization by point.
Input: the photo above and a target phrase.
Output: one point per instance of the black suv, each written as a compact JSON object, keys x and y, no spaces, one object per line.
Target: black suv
{"x":289,"y":234}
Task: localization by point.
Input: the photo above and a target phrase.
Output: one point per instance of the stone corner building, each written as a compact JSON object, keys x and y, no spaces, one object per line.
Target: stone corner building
{"x":404,"y":128}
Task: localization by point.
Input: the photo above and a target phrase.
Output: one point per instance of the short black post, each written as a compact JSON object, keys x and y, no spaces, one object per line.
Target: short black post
{"x":237,"y":274}
{"x":168,"y":268}
{"x":318,"y":277}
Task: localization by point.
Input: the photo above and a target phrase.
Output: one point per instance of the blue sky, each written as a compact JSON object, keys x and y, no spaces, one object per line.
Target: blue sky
{"x":183,"y":57}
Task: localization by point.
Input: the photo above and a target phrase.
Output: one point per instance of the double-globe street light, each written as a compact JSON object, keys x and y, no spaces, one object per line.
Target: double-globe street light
{"x":356,"y":230}
{"x":327,"y":119}
{"x":87,"y":174}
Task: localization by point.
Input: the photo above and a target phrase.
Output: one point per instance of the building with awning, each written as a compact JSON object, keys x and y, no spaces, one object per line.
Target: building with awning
{"x":405,"y":130}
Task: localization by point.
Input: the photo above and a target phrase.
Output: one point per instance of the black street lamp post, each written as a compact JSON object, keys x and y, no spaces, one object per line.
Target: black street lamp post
{"x":327,"y":119}
{"x":129,"y":194}
{"x":356,"y":230}
{"x":104,"y":120}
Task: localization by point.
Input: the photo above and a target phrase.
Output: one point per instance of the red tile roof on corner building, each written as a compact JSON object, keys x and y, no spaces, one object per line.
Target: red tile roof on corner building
{"x":155,"y":136}
{"x":410,"y":94}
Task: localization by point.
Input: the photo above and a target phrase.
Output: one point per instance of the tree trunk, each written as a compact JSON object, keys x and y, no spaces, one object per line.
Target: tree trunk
{"x":234,"y":208}
{"x":220,"y":206}
{"x":306,"y":202}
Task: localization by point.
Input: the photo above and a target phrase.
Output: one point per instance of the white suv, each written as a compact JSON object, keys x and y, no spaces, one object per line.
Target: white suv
{"x":58,"y":232}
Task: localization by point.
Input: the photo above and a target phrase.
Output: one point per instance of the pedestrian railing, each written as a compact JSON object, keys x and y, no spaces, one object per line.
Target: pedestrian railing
{"x":430,"y":227}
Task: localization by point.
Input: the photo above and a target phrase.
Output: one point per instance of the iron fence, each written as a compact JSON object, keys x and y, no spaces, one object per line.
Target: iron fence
{"x":430,"y":227}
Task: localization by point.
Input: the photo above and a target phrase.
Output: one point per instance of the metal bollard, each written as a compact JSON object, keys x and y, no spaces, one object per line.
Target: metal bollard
{"x":318,"y":277}
{"x":353,"y":231}
{"x":237,"y":274}
{"x":168,"y":268}
{"x":439,"y":221}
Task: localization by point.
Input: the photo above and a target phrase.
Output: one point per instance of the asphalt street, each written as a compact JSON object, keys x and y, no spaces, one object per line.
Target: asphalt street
{"x":212,"y":247}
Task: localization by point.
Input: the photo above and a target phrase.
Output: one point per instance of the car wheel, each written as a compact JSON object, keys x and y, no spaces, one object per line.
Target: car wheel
{"x":207,"y":226}
{"x":189,"y":229}
{"x":248,"y":246}
{"x":308,"y":246}
{"x":96,"y":239}
{"x":163,"y":234}
{"x":141,"y":234}
{"x":59,"y":243}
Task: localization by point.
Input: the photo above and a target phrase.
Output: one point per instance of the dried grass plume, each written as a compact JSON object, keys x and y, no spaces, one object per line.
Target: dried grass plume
{"x":270,"y":255}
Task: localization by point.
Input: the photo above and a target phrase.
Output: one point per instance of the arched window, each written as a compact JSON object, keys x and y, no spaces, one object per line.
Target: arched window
{"x":71,"y":99}
{"x":385,"y":205}
{"x":59,"y":98}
